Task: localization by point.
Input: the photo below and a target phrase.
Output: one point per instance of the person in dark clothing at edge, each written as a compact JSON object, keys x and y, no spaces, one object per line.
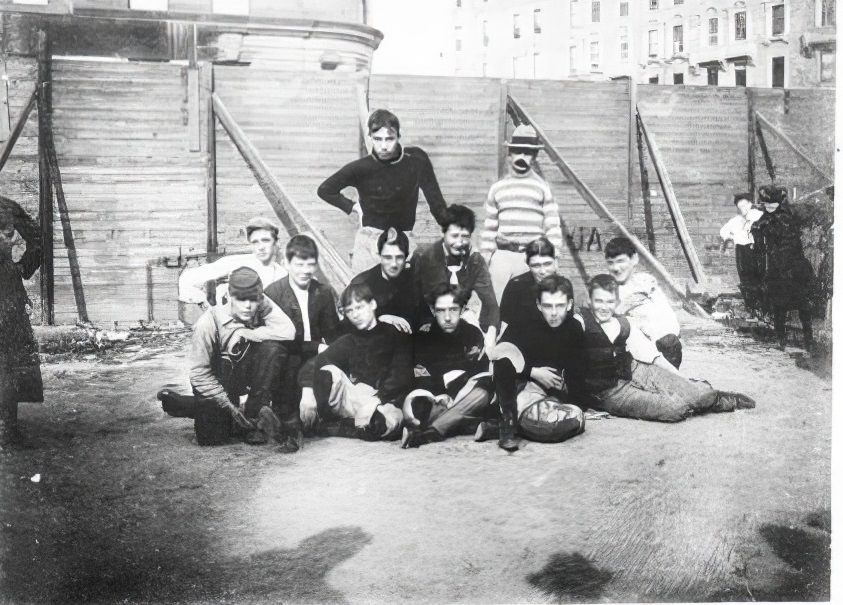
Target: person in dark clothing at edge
{"x":787,"y":275}
{"x":626,"y":375}
{"x":237,"y":350}
{"x":387,"y":182}
{"x":518,"y":302}
{"x":538,"y":371}
{"x":313,"y":310}
{"x":451,"y":260}
{"x":391,"y":281}
{"x":359,"y":380}
{"x":453,"y":386}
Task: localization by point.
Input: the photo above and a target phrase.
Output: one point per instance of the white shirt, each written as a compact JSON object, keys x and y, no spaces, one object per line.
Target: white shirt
{"x":639,"y":346}
{"x":302,"y":295}
{"x":192,"y":280}
{"x":646,"y":306}
{"x":738,"y":228}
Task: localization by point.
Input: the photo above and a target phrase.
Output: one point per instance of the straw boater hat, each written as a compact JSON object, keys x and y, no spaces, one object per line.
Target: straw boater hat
{"x":524,"y":137}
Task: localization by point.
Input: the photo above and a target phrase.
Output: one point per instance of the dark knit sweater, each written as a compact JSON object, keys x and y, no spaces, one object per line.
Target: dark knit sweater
{"x":438,"y":353}
{"x":394,"y":296}
{"x":518,"y":302}
{"x":560,"y":348}
{"x":380,"y":357}
{"x":388,"y":190}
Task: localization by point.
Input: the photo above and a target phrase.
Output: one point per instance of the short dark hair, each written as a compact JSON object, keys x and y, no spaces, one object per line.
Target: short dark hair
{"x":396,"y":237}
{"x":540,"y":247}
{"x":553,"y":284}
{"x":618,"y":246}
{"x":303,"y":247}
{"x":355,"y":292}
{"x":460,"y":295}
{"x":741,"y":196}
{"x":604,"y":281}
{"x":383,"y":118}
{"x":458,"y":215}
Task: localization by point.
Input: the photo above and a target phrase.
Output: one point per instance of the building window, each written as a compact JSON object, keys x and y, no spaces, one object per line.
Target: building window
{"x":135,"y":5}
{"x":654,"y":80}
{"x":594,"y":48}
{"x":654,"y":4}
{"x":678,"y":44}
{"x":516,"y":28}
{"x":740,"y":75}
{"x":778,"y":19}
{"x":624,"y":6}
{"x":653,"y":43}
{"x":485,"y":32}
{"x":458,"y":37}
{"x":713,"y":73}
{"x":713,"y":26}
{"x":595,"y":12}
{"x":624,"y":50}
{"x":678,"y":78}
{"x":828,"y":16}
{"x":231,"y":7}
{"x":572,"y":59}
{"x":740,"y":25}
{"x":828,"y":62}
{"x":675,"y":2}
{"x":536,"y":59}
{"x":778,"y":72}
{"x":537,"y":26}
{"x":459,"y":3}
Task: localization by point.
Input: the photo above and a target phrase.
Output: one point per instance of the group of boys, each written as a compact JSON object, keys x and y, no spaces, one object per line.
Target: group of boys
{"x":407,"y":353}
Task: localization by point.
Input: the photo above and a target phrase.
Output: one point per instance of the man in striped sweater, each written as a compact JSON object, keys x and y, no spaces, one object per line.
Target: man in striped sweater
{"x":519,"y":209}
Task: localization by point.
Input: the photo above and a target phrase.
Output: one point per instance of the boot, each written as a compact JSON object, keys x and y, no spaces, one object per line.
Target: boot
{"x":487,"y":430}
{"x":293,"y":436}
{"x":507,"y":440}
{"x":176,"y":405}
{"x":728,"y":401}
{"x":416,"y":438}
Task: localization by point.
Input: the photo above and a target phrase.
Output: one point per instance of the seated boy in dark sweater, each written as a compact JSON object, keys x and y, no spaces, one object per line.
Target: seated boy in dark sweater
{"x":360,"y":378}
{"x":538,"y":371}
{"x":453,"y":386}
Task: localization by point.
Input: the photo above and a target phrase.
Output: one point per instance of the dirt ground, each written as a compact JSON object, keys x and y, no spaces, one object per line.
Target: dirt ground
{"x":129,"y":509}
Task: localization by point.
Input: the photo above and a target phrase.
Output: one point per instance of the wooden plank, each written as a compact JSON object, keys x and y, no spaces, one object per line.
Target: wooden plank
{"x":335,"y":268}
{"x":6,"y":150}
{"x":193,"y":126}
{"x":791,"y":145}
{"x":751,"y":142}
{"x":5,"y":117}
{"x":211,"y":178}
{"x":502,"y":121}
{"x":45,"y":184}
{"x":363,"y":113}
{"x":603,"y":212}
{"x":632,"y":137}
{"x":673,"y":205}
{"x":765,"y":153}
{"x":645,"y":188}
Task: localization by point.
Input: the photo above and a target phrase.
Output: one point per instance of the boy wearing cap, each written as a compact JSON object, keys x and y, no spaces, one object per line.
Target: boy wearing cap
{"x":519,"y":208}
{"x":643,"y":301}
{"x":262,"y":235}
{"x":237,"y":349}
{"x":387,"y":181}
{"x":626,"y":375}
{"x":452,"y":261}
{"x":361,"y":377}
{"x":739,"y":231}
{"x":312,"y":308}
{"x":452,"y":386}
{"x":391,"y":281}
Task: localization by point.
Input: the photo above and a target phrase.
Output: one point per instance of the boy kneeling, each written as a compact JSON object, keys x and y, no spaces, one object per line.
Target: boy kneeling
{"x":453,"y":386}
{"x":360,"y":377}
{"x":538,"y":371}
{"x":627,"y":375}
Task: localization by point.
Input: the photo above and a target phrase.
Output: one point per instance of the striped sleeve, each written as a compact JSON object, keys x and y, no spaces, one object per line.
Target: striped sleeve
{"x":552,"y":225}
{"x":490,"y":223}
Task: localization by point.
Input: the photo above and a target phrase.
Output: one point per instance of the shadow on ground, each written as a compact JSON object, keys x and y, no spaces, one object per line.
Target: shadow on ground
{"x":570,"y":577}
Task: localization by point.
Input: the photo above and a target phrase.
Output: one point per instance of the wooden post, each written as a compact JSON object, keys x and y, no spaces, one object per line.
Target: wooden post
{"x":502,"y":113}
{"x":5,"y":112}
{"x":630,"y":149}
{"x":673,"y":205}
{"x":793,"y":146}
{"x":751,"y":142}
{"x":765,"y":153}
{"x":45,"y":185}
{"x":211,"y":243}
{"x":6,"y":150}
{"x":363,"y":116}
{"x":645,"y":188}
{"x":603,"y":212}
{"x":336,"y":270}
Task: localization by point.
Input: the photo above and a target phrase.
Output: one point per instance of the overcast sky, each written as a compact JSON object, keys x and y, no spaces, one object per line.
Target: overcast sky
{"x":413,"y":35}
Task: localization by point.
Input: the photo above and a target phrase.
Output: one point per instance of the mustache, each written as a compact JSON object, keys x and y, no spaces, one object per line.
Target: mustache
{"x":521,"y":165}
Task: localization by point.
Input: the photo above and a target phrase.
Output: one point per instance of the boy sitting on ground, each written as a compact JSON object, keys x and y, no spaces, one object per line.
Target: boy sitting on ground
{"x":627,"y":376}
{"x":360,"y":378}
{"x":643,"y":301}
{"x":453,"y":386}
